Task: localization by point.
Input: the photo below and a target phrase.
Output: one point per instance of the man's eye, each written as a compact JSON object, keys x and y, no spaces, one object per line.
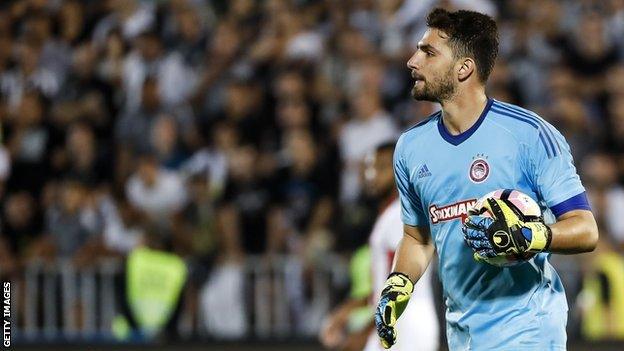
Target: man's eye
{"x":429,"y":53}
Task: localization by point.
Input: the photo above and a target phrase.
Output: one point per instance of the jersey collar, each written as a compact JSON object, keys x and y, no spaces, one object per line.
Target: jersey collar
{"x":460,"y":138}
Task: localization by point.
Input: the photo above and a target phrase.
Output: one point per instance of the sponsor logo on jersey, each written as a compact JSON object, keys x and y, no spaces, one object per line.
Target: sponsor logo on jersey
{"x":450,"y":212}
{"x":479,"y":169}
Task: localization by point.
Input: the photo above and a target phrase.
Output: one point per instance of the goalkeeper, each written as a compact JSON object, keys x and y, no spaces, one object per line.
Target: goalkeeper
{"x":473,"y":146}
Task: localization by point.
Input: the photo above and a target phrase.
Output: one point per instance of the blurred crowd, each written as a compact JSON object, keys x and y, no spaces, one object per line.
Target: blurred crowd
{"x":219,"y":129}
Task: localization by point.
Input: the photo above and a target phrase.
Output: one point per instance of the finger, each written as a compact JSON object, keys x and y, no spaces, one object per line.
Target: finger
{"x":379,"y":314}
{"x":479,"y":244}
{"x":482,"y":256}
{"x":494,"y":208}
{"x":473,"y":234}
{"x":470,"y":224}
{"x":388,"y":337}
{"x":479,"y":222}
{"x":507,"y":205}
{"x":472,"y":221}
{"x":476,"y":210}
{"x":389,"y":315}
{"x":477,"y":257}
{"x":384,"y":316}
{"x":488,"y":253}
{"x":386,"y":343}
{"x":385,"y":333}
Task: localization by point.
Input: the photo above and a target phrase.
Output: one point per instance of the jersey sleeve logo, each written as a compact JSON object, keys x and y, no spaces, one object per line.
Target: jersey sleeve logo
{"x":479,"y":169}
{"x":449,"y":212}
{"x":423,"y":171}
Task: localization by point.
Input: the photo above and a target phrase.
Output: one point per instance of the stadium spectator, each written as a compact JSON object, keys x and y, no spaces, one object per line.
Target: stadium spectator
{"x":369,"y":127}
{"x":28,"y":74}
{"x":303,"y":198}
{"x":85,"y":95}
{"x":246,"y":201}
{"x":22,"y":224}
{"x":174,"y":78}
{"x":29,"y":141}
{"x":156,"y":192}
{"x":131,"y":18}
{"x":83,"y":156}
{"x":68,"y":233}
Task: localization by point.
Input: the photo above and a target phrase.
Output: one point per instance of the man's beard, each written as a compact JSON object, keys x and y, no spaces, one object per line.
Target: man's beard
{"x":439,"y":90}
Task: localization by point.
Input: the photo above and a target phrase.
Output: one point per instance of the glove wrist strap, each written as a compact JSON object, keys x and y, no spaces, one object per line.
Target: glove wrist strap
{"x":542,"y":243}
{"x":399,"y":278}
{"x":398,"y":274}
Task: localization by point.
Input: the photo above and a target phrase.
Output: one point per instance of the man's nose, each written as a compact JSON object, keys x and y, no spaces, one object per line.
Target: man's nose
{"x":412,"y":63}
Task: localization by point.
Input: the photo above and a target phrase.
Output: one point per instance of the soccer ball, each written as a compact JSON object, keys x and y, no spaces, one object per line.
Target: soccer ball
{"x":520,"y":203}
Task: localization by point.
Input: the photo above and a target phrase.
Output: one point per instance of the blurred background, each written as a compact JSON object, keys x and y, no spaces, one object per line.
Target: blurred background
{"x":189,"y":172}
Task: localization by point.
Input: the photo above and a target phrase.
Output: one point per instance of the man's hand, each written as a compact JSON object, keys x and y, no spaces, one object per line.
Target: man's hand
{"x":393,"y":301}
{"x":505,"y":232}
{"x":356,"y":341}
{"x":333,"y":332}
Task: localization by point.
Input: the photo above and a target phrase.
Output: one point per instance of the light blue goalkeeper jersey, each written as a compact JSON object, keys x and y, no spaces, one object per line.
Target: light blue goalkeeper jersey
{"x":439,"y":176}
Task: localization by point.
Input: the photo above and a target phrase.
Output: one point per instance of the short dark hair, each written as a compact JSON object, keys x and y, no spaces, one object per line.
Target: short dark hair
{"x":471,"y":34}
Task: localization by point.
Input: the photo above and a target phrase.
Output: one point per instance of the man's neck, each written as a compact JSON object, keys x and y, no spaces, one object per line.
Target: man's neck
{"x":463,"y":110}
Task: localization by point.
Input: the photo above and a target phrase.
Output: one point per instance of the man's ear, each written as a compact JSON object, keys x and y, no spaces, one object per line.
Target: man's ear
{"x":466,"y":69}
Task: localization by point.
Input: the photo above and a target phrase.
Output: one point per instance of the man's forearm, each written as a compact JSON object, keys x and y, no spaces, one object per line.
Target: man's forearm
{"x":412,"y":257}
{"x":353,"y":303}
{"x":575,"y":232}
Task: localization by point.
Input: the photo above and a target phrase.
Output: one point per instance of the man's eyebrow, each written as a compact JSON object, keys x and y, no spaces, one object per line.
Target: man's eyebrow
{"x":425,"y":47}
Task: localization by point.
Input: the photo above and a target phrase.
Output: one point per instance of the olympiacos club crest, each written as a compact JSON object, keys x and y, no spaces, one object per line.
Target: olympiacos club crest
{"x":479,"y":169}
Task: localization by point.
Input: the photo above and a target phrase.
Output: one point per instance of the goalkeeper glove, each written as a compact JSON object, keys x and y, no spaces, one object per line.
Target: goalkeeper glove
{"x":393,"y":301}
{"x":505,"y":232}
